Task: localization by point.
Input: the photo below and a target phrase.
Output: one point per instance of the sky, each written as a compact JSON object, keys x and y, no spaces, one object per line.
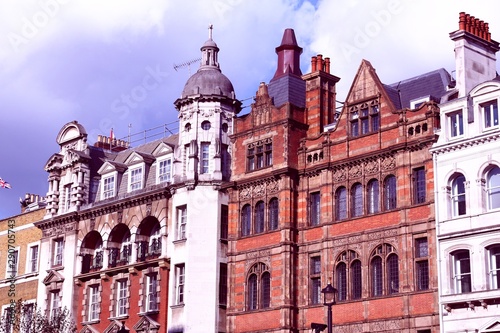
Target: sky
{"x":110,"y":64}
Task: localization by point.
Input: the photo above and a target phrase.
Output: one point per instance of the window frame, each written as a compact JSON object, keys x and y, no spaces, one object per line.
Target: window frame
{"x":57,"y":252}
{"x":341,"y":208}
{"x":136,"y":178}
{"x":493,"y":266}
{"x":460,"y":278}
{"x":181,"y":225}
{"x":455,"y":122}
{"x":121,"y":308}
{"x":32,"y":264}
{"x":390,"y":192}
{"x":93,"y":301}
{"x":315,"y":279}
{"x":259,"y":217}
{"x":458,"y":199}
{"x":55,"y":303}
{"x":357,"y":208}
{"x":364,"y":119}
{"x":152,"y":292}
{"x":180,"y":282}
{"x":373,"y":196}
{"x":108,"y":188}
{"x":495,"y":188}
{"x":490,"y":108}
{"x":421,"y":255}
{"x":259,"y":155}
{"x":258,"y":297}
{"x":204,"y":157}
{"x":419,"y":185}
{"x":246,"y":220}
{"x":164,"y":170}
{"x":273,"y":214}
{"x":315,"y":208}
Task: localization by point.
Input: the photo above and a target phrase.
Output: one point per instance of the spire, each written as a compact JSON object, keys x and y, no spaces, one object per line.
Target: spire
{"x":288,"y":55}
{"x":209,"y":53}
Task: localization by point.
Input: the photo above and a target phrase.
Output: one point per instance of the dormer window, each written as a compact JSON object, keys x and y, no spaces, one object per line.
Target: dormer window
{"x":108,"y":187}
{"x":416,"y":103}
{"x":135,"y":179}
{"x":164,"y":170}
{"x":490,"y":114}
{"x":455,"y":123}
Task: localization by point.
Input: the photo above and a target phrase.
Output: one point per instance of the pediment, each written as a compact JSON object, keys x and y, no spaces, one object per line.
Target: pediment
{"x":146,"y":324}
{"x":366,"y":84}
{"x":88,"y":329}
{"x":53,"y":277}
{"x":54,"y":162}
{"x":114,"y":327}
{"x":134,"y":158}
{"x":485,"y":88}
{"x":109,"y":167}
{"x":492,"y":327}
{"x":162,"y":149}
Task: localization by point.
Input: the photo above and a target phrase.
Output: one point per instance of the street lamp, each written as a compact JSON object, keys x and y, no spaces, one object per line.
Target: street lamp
{"x":123,"y":329}
{"x":329,"y":293}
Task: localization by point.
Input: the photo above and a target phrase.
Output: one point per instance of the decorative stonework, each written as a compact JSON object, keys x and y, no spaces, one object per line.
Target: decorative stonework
{"x":355,"y":171}
{"x":259,"y":190}
{"x":371,"y":167}
{"x":388,"y":163}
{"x":339,"y":175}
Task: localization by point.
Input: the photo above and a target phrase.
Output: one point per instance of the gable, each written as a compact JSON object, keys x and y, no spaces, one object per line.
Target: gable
{"x":88,"y":329}
{"x":162,"y":149}
{"x":366,"y":84}
{"x":492,"y":327}
{"x":114,"y":327}
{"x":54,"y":162}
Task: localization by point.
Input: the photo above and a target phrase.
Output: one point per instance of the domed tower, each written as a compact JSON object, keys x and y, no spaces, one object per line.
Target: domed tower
{"x":206,"y":109}
{"x":199,"y":216}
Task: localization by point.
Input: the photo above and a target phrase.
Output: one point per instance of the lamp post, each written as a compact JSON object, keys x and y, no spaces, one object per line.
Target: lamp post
{"x":329,"y":293}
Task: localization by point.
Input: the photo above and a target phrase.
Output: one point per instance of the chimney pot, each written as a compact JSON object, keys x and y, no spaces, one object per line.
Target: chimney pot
{"x":461,"y":21}
{"x":313,"y":64}
{"x":327,"y":65}
{"x":467,"y":22}
{"x":319,"y":63}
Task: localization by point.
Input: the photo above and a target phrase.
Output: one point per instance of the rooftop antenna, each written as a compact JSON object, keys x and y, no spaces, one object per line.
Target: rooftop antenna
{"x":186,"y":64}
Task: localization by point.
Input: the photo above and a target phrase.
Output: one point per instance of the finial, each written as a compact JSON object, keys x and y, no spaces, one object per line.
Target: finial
{"x":210,"y":27}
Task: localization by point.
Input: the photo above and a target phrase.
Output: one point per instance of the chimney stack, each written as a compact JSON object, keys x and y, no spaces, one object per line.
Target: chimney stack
{"x":475,"y":53}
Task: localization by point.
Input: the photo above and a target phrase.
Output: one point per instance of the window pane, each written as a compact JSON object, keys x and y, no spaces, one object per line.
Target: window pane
{"x":356,"y":279}
{"x":245,"y":220}
{"x":357,"y":200}
{"x":315,"y":208}
{"x":273,"y":214}
{"x":393,"y":274}
{"x":419,"y":184}
{"x":342,"y":281}
{"x":390,"y":192}
{"x":421,"y":248}
{"x":315,"y":290}
{"x":373,"y":192}
{"x":266,"y":290}
{"x":493,"y":181}
{"x":494,"y":264}
{"x":462,"y":274}
{"x":259,"y":217}
{"x":376,"y":270}
{"x":316,"y":265}
{"x":341,"y":203}
{"x":422,"y":275}
{"x":458,"y":195}
{"x":252,"y":292}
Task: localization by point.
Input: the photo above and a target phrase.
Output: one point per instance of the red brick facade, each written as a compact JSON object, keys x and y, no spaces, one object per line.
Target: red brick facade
{"x":355,"y":208}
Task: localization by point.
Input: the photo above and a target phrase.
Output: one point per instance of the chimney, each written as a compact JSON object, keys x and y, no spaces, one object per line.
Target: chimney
{"x":475,"y":59}
{"x":113,"y":144}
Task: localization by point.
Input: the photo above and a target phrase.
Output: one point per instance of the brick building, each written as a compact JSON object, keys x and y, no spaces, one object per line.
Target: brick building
{"x":19,"y":255}
{"x":318,"y":195}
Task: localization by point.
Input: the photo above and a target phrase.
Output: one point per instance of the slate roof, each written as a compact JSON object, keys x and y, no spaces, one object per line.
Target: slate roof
{"x":433,"y":84}
{"x":145,"y":149}
{"x":288,"y":88}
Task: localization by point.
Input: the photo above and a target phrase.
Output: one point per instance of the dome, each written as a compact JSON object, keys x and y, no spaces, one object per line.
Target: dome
{"x":208,"y":82}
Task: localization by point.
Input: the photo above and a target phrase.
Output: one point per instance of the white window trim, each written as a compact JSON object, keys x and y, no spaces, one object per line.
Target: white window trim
{"x":125,"y":298}
{"x":158,"y":175}
{"x":90,"y":302}
{"x":448,"y":118}
{"x":135,"y":167}
{"x":181,"y":228}
{"x":103,"y":178}
{"x":8,"y":271}
{"x":54,"y":251}
{"x":420,"y":100}
{"x":178,"y":268}
{"x":28,"y":258}
{"x":53,"y":294}
{"x":148,"y":292}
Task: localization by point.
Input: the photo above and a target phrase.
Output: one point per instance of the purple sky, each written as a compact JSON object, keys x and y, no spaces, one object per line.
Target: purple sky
{"x":110,"y":63}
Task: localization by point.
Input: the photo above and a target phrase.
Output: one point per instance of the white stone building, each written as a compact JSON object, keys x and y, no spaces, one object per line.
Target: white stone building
{"x":467,"y":186}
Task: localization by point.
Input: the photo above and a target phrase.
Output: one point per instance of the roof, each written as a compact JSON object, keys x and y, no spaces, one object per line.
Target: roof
{"x":432,"y":84}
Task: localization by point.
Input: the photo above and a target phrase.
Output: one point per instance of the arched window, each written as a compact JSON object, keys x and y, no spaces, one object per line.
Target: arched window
{"x":342,"y":281}
{"x":458,"y":195}
{"x":390,"y":192}
{"x":357,"y":200}
{"x":493,"y":188}
{"x":392,"y":274}
{"x":494,"y":266}
{"x":259,"y":217}
{"x":119,"y":253}
{"x":461,"y":271}
{"x":384,"y":266}
{"x":273,"y":214}
{"x":92,"y":252}
{"x":259,"y":287}
{"x":246,"y":220}
{"x":377,"y":276}
{"x":341,"y":203}
{"x":372,"y":196}
{"x":348,"y":269}
{"x":356,"y":279}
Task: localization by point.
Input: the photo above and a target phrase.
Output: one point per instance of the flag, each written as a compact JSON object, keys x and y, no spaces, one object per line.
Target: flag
{"x":4,"y":184}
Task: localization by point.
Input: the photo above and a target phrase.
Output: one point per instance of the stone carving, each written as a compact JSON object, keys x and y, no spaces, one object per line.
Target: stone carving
{"x":339,"y":175}
{"x":371,"y":167}
{"x":207,"y":112}
{"x":259,"y":190}
{"x":92,"y":223}
{"x":245,"y":193}
{"x":388,"y":163}
{"x":120,"y":216}
{"x":148,"y":209}
{"x":272,"y":187}
{"x":355,"y":171}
